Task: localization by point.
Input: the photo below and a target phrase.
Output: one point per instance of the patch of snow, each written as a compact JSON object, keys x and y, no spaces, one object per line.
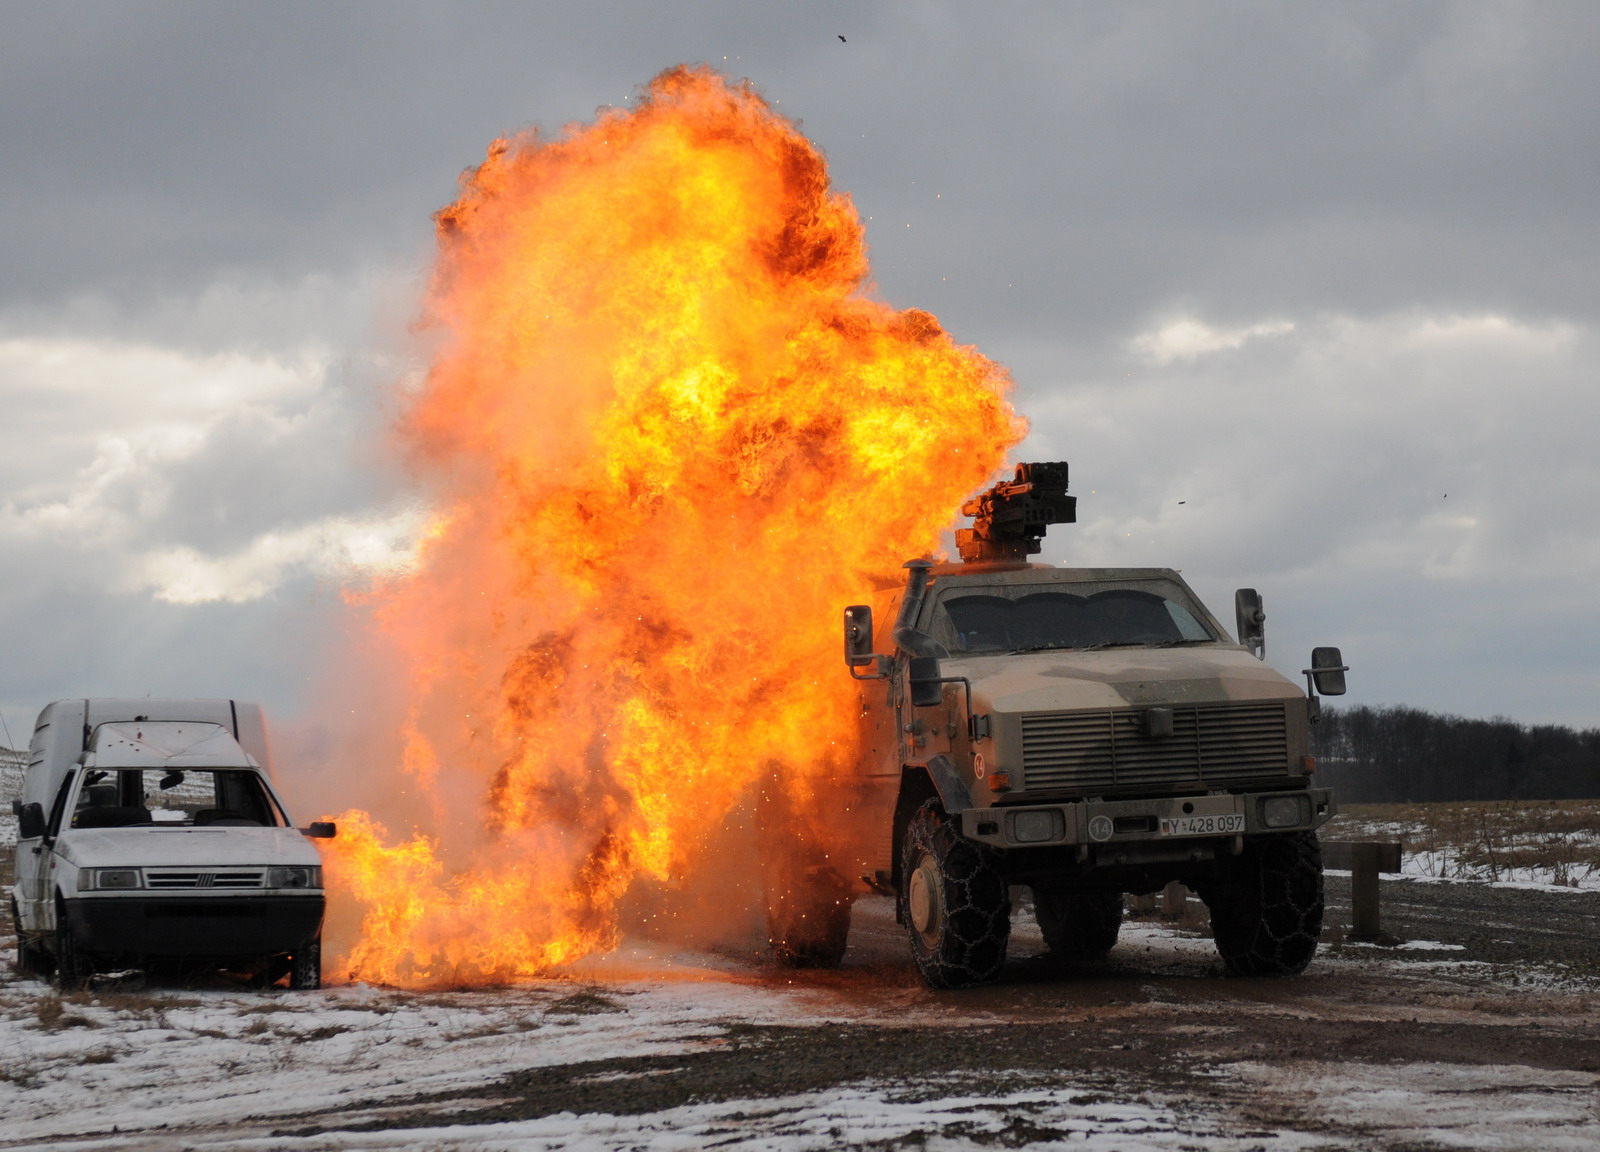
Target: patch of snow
{"x":13,"y":766}
{"x":1445,"y":1105}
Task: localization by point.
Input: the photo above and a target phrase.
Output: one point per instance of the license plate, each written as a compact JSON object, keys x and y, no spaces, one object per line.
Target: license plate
{"x":1225,"y":825}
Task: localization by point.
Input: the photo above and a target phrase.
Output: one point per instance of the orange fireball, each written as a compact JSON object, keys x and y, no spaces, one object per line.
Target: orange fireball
{"x":668,"y":438}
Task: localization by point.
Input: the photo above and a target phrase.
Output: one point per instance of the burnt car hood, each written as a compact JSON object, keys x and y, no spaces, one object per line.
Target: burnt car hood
{"x":1066,"y":680}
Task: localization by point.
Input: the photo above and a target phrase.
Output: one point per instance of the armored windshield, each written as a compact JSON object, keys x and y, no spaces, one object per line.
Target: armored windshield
{"x":1026,"y":618}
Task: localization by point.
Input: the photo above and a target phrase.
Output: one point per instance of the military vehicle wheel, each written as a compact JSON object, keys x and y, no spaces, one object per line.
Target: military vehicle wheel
{"x":74,"y":965}
{"x":954,"y":902}
{"x":808,"y":904}
{"x":1266,"y":905}
{"x":305,"y":966}
{"x":808,"y":923}
{"x":1078,"y":925}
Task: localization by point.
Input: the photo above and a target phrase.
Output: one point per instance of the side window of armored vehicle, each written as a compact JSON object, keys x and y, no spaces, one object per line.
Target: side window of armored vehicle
{"x":209,"y":797}
{"x":1189,"y":628}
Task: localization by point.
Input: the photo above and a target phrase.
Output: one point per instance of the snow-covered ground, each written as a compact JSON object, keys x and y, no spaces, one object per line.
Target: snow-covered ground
{"x":370,"y":1068}
{"x":1205,"y":1064}
{"x":1527,"y":856}
{"x":12,"y":765}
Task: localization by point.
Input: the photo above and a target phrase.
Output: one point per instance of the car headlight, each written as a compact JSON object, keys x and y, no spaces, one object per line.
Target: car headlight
{"x":109,"y":879}
{"x":298,"y":877}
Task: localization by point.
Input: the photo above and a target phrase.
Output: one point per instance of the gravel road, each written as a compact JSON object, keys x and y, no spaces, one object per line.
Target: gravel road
{"x":1497,"y":925}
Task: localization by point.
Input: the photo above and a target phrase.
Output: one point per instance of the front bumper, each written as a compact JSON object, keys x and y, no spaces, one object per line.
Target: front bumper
{"x":1108,"y":826}
{"x":206,"y":927}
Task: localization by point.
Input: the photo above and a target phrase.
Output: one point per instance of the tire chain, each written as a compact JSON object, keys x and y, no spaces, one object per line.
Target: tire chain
{"x":976,"y":901}
{"x":1266,"y":912}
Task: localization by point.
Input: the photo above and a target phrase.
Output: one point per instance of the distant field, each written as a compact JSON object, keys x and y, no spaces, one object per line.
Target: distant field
{"x":1553,"y":842}
{"x":11,"y":768}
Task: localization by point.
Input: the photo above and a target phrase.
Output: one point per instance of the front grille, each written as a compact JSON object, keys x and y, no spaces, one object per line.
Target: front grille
{"x":233,"y":878}
{"x":1211,"y":746}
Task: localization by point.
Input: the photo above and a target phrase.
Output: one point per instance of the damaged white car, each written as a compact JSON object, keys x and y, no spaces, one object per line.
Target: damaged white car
{"x":149,"y":833}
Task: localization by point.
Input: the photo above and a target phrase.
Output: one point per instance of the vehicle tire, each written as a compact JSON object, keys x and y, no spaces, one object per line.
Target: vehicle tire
{"x":954,"y":902}
{"x":1266,"y":905}
{"x":1078,"y":925}
{"x":74,"y":965}
{"x":808,"y":922}
{"x":807,"y":904}
{"x":305,"y":966}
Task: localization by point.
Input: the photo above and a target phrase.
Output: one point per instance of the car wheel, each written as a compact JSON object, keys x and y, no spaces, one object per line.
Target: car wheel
{"x":305,"y":966}
{"x":74,"y":965}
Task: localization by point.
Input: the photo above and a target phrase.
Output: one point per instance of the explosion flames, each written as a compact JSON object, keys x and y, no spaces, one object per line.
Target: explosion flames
{"x":670,"y":439}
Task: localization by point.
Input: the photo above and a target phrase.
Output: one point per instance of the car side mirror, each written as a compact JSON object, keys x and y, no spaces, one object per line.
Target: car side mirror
{"x":1327,"y":671}
{"x":30,"y":821}
{"x":927,"y":689}
{"x":1252,"y":620}
{"x":858,"y":636}
{"x":322,"y":830}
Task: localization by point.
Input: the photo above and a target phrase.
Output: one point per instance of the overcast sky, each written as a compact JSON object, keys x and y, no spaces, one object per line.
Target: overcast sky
{"x":1307,"y":294}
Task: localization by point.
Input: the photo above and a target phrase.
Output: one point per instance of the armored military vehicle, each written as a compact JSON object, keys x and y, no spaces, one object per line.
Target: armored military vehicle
{"x":1081,"y":732}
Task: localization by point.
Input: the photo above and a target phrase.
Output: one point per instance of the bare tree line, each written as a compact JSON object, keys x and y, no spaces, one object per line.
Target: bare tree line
{"x":1398,"y":754}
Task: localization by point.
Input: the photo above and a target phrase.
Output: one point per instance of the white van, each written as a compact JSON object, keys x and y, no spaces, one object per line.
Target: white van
{"x":149,"y":831}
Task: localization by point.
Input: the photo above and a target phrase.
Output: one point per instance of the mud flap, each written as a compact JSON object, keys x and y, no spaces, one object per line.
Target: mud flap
{"x":953,"y":791}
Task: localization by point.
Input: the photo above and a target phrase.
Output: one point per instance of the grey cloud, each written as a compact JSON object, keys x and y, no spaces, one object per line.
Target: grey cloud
{"x":1050,"y":180}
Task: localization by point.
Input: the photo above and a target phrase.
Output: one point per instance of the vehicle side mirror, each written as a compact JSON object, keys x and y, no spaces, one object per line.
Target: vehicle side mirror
{"x":322,"y":830}
{"x":1327,"y":671}
{"x":927,"y":690}
{"x":1252,"y":621}
{"x":858,"y":636}
{"x":30,"y":821}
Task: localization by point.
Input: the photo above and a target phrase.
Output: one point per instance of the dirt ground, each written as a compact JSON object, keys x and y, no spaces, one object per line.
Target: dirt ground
{"x":1514,"y":980}
{"x":1476,"y":1026}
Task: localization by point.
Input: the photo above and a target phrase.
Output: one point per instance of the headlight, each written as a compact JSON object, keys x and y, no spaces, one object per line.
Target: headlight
{"x":108,"y":879}
{"x":1282,"y":812}
{"x":295,"y":877}
{"x":1038,"y":827}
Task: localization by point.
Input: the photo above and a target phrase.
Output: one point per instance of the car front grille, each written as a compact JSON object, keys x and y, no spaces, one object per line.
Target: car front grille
{"x":1211,"y":746}
{"x":166,"y":878}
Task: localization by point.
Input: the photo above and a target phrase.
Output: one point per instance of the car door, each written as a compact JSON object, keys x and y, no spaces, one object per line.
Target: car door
{"x":35,"y":900}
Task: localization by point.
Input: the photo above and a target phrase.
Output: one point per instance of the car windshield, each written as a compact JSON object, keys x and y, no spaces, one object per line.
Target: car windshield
{"x":1026,"y":619}
{"x":123,"y":797}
